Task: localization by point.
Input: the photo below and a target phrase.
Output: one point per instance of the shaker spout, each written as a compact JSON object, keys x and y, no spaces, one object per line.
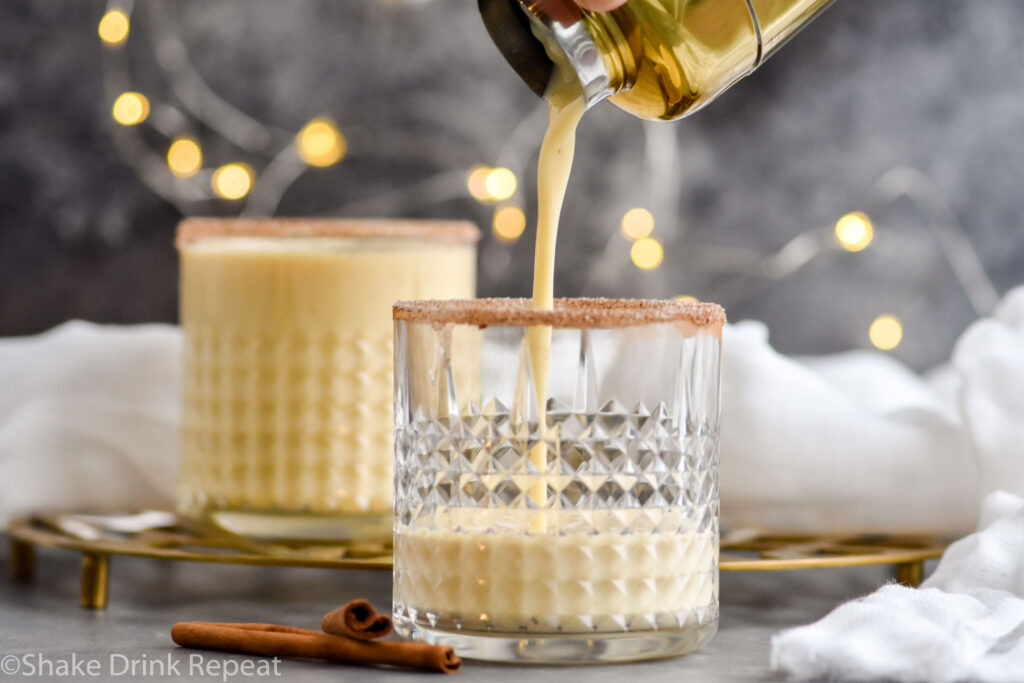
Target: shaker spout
{"x":535,"y":34}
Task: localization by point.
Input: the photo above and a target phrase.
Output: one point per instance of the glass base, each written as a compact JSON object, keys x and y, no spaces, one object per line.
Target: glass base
{"x":374,"y":526}
{"x":576,"y":648}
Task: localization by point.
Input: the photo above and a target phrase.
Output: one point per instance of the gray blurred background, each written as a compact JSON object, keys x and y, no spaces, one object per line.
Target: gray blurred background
{"x":909,"y":110}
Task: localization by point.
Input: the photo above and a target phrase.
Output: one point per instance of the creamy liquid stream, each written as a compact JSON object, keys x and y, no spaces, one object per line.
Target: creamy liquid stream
{"x":566,"y":105}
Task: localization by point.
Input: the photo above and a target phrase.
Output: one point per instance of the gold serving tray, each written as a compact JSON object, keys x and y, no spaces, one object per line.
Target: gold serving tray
{"x":162,"y":536}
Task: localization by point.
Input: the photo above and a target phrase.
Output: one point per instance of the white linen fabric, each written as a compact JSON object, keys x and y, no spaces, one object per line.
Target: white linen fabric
{"x":965,"y":623}
{"x":857,"y":443}
{"x":89,"y":417}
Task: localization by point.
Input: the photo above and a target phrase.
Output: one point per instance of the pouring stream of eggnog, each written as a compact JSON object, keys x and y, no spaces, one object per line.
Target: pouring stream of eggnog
{"x":565,"y":108}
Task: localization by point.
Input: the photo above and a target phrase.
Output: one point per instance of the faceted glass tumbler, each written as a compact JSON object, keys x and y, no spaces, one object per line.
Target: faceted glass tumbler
{"x":287,"y":391}
{"x":556,"y":477}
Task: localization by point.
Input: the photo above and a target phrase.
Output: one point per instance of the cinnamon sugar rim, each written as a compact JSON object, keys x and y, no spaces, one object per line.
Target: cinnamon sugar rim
{"x":193,"y":229}
{"x":570,"y":313}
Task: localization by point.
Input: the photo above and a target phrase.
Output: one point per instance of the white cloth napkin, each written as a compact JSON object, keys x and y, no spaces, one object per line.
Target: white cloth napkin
{"x":856,"y":442}
{"x":966,"y":622}
{"x":89,"y":418}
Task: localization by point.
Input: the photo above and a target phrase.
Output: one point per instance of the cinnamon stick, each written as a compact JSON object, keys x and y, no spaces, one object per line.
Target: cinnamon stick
{"x":273,"y":640}
{"x":358,"y":620}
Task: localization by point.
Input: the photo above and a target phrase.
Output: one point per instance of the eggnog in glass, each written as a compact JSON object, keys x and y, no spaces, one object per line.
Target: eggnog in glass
{"x":287,"y":425}
{"x":577,"y":523}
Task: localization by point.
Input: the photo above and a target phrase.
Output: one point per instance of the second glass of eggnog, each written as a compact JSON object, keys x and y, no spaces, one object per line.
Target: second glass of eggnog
{"x":556,"y":477}
{"x":287,"y":425}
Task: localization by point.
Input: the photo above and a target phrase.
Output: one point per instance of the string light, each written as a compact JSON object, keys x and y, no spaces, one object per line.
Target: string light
{"x":500,"y":184}
{"x":646,"y":253}
{"x":487,"y":184}
{"x":130,"y":108}
{"x":320,"y":143}
{"x":855,"y":231}
{"x":114,"y":27}
{"x":233,"y":181}
{"x":637,"y":224}
{"x":886,"y":332}
{"x":184,"y":157}
{"x":509,"y":223}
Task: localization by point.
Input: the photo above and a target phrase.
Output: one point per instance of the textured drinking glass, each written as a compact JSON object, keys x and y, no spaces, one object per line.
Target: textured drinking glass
{"x":581,"y":527}
{"x":287,"y":425}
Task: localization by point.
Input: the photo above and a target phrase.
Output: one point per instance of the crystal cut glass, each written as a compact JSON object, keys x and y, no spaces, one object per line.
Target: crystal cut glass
{"x":582,"y":526}
{"x":287,"y":367}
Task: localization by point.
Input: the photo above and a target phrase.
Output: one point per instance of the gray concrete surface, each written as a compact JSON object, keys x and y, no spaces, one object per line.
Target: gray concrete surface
{"x":42,"y":620}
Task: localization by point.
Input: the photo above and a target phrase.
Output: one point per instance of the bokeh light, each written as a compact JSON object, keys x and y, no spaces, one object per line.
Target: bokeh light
{"x":509,"y":223}
{"x":114,"y":27}
{"x":685,"y":297}
{"x":233,"y":181}
{"x":476,"y":182}
{"x":320,"y":143}
{"x":130,"y":108}
{"x":855,"y":231}
{"x":886,"y":332}
{"x":184,"y":157}
{"x":646,"y":253}
{"x":500,"y":184}
{"x":637,"y":223}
